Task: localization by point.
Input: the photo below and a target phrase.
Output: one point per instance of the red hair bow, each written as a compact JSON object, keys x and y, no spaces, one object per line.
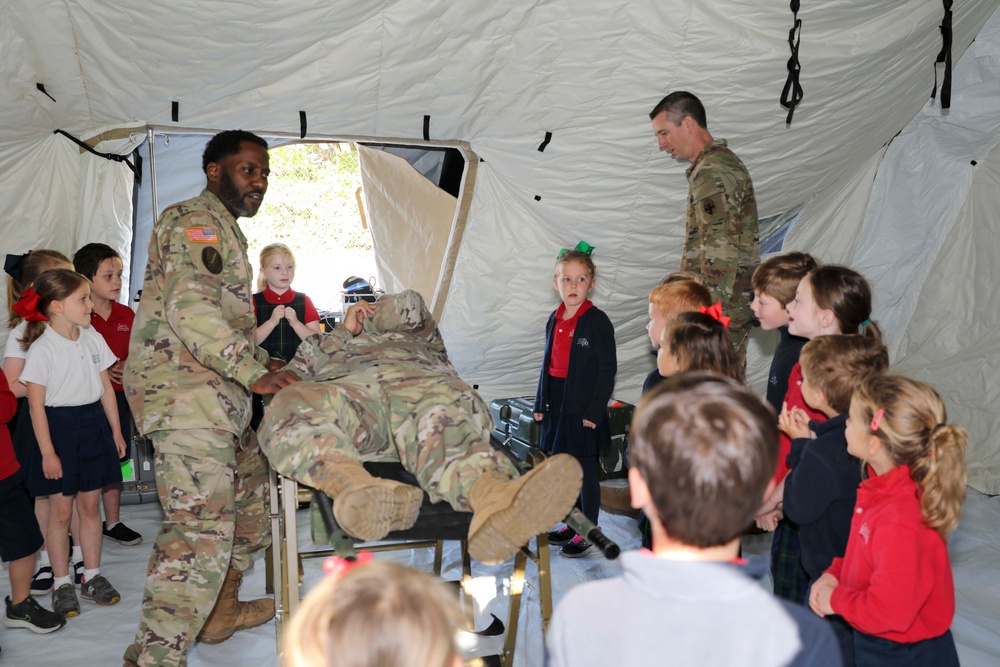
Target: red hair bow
{"x":27,"y":306}
{"x":336,"y":567}
{"x":715,"y":312}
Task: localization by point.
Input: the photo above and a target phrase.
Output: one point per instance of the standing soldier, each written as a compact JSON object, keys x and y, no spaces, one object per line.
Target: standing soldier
{"x":191,"y":368}
{"x":722,"y":242}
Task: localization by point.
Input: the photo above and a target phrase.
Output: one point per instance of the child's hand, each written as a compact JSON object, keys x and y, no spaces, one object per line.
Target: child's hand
{"x":769,"y":520}
{"x":277,"y":314}
{"x":794,"y":422}
{"x":52,"y":466}
{"x":589,"y":424}
{"x":539,"y":416}
{"x":115,"y":371}
{"x":820,"y":594}
{"x":120,"y":445}
{"x":291,"y":315}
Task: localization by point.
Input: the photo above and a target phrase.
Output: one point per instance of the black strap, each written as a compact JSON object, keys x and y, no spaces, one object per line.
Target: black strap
{"x":41,"y":88}
{"x":175,"y":110}
{"x":427,"y":128}
{"x":302,"y":125}
{"x":545,"y":142}
{"x":791,"y":94}
{"x":107,"y":156}
{"x":944,"y":57}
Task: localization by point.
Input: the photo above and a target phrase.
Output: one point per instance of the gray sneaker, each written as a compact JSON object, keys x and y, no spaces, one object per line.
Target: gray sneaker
{"x":99,"y":590}
{"x":64,"y":601}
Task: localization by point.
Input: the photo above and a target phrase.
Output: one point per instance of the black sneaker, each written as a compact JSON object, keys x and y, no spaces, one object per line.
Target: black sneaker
{"x":77,"y":573}
{"x":122,"y":534}
{"x":64,"y":601}
{"x":29,"y":614}
{"x":41,"y":583}
{"x":561,"y":537}
{"x":578,"y":548}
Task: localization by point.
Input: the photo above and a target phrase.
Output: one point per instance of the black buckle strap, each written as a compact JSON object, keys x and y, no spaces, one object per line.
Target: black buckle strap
{"x":944,"y":57}
{"x":107,"y":156}
{"x":792,"y":94}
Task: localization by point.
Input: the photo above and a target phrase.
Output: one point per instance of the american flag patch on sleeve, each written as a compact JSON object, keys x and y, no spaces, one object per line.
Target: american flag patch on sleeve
{"x":202,"y":234}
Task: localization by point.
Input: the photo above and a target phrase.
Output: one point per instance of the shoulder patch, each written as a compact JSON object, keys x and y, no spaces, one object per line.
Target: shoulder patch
{"x":202,"y":234}
{"x":212,"y":260}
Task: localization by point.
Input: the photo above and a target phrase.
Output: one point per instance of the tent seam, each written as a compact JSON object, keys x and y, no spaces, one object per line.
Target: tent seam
{"x":79,"y":62}
{"x":378,"y":84}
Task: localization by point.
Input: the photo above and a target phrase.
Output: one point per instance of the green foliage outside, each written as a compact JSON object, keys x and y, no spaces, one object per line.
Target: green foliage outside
{"x":311,"y":207}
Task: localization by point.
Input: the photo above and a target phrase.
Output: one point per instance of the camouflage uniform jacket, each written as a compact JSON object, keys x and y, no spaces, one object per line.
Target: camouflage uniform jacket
{"x":192,"y":355}
{"x":400,"y":342}
{"x":722,"y":242}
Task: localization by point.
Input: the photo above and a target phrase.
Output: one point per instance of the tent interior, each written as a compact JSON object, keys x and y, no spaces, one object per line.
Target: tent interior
{"x":547,"y":103}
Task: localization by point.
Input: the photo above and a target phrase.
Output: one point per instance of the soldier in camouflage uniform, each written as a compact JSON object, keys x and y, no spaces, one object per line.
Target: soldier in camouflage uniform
{"x":389,"y":393}
{"x":192,"y":364}
{"x":722,"y":242}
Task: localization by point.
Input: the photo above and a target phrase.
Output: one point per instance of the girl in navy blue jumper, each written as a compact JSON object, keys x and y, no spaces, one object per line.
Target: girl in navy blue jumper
{"x":575,"y":384}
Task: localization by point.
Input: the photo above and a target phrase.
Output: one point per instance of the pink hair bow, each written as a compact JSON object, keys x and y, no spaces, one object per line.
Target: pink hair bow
{"x":715,"y":312}
{"x":335,"y":566}
{"x":27,"y":306}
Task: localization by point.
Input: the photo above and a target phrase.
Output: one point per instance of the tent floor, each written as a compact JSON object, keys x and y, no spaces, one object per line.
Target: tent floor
{"x":100,"y":634}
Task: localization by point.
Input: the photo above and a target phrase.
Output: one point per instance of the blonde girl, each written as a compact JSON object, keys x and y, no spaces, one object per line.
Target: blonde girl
{"x":378,"y":614}
{"x":894,"y":583}
{"x":75,"y":419}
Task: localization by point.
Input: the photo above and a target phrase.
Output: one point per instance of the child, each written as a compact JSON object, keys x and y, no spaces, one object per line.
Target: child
{"x":22,"y":271}
{"x":68,"y":385}
{"x":103,"y":267}
{"x":698,"y":342}
{"x":894,"y":583}
{"x":822,"y":485}
{"x":20,"y":537}
{"x":376,"y":614}
{"x":829,"y":300}
{"x":703,"y":450}
{"x":284,"y":317}
{"x":666,"y":300}
{"x":774,"y":283}
{"x":575,"y":384}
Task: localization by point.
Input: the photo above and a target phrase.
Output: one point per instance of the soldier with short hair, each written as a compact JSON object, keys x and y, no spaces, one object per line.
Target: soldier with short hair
{"x":191,"y":367}
{"x":722,"y":242}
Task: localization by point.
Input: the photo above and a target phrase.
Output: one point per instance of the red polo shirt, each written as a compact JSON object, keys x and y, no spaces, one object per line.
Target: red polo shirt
{"x":562,"y":339}
{"x":8,"y":406}
{"x":116,"y":331}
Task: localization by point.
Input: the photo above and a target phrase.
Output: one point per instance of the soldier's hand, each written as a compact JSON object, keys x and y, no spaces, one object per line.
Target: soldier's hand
{"x":356,"y":315}
{"x":275,"y":364}
{"x":271,"y":383}
{"x":277,"y":315}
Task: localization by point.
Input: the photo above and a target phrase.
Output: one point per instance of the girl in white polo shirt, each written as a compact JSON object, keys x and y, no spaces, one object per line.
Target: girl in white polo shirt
{"x":75,"y":418}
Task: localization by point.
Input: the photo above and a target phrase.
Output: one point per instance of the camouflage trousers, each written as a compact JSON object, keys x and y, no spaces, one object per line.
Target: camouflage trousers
{"x":213,"y":489}
{"x":437,"y":427}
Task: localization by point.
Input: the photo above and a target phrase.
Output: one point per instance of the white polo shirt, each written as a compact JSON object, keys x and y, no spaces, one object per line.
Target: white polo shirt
{"x":70,"y":370}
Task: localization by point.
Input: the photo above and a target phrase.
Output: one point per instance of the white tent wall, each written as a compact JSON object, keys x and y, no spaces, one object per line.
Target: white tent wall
{"x":499,"y":76}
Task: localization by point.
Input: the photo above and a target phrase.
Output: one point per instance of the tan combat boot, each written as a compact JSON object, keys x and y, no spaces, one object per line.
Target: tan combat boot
{"x":509,"y":512}
{"x":229,"y":614}
{"x":367,"y":507}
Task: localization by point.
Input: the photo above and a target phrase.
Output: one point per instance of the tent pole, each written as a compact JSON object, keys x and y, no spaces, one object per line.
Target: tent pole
{"x":152,"y":169}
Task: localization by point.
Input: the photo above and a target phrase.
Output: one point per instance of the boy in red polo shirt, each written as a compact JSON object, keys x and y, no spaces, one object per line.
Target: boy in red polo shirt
{"x":103,"y":266}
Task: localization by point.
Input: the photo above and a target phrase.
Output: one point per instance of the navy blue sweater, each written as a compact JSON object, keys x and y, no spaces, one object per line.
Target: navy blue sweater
{"x":593,"y":362}
{"x":820,"y":492}
{"x":786,"y":355}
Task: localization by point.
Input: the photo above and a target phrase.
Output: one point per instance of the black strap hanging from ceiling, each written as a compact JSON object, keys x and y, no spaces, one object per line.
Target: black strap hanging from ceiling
{"x":791,"y":94}
{"x":944,"y":57}
{"x":107,"y":156}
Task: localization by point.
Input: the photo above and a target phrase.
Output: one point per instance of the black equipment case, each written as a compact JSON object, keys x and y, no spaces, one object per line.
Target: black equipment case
{"x":517,"y":430}
{"x":138,"y":476}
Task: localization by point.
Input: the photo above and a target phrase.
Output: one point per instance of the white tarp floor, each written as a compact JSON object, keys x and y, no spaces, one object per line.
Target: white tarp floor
{"x":99,"y":635}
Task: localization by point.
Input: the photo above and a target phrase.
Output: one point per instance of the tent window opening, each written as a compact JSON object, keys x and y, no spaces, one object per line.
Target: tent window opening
{"x":774,"y":230}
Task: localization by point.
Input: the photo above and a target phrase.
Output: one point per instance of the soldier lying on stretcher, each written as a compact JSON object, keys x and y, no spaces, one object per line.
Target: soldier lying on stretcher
{"x":381,"y":388}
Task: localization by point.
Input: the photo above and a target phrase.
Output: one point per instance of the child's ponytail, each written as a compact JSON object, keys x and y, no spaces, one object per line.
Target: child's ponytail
{"x":911,"y":426}
{"x":21,"y":273}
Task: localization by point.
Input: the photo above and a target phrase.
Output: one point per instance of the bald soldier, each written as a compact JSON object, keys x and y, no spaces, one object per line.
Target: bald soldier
{"x":191,"y":368}
{"x":722,"y":241}
{"x":381,"y":388}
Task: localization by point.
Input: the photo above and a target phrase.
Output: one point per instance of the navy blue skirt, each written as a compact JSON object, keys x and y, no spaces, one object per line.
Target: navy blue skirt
{"x":872,"y":651}
{"x":82,"y":439}
{"x":564,"y":433}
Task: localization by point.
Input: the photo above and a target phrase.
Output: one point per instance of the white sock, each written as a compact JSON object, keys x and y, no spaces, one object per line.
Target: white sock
{"x":63,"y":580}
{"x":109,"y":526}
{"x":76,"y":555}
{"x":90,"y":574}
{"x":43,"y":558}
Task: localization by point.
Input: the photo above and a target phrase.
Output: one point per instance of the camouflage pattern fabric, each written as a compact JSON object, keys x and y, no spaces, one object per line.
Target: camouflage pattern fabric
{"x":211,"y":523}
{"x":389,"y":394}
{"x":192,"y":355}
{"x":723,"y":243}
{"x":191,"y":361}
